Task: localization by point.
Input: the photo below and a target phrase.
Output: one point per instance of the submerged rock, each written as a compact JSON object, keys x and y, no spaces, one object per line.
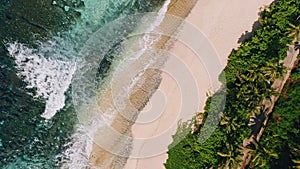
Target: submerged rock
{"x":66,"y":8}
{"x":45,"y":18}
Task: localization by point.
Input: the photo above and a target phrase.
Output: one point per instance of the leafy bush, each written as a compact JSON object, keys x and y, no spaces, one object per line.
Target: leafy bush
{"x":249,"y":74}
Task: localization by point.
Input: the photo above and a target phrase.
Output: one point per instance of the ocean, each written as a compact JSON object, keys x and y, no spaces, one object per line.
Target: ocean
{"x":56,"y":58}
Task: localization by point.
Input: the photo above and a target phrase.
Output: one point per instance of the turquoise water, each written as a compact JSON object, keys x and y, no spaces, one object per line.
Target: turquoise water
{"x":38,"y":123}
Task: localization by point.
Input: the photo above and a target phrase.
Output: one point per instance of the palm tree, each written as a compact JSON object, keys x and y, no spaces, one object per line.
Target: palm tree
{"x":296,"y":164}
{"x":260,"y":155}
{"x":232,"y":160}
{"x":295,"y":154}
{"x":231,"y":123}
{"x":294,"y":31}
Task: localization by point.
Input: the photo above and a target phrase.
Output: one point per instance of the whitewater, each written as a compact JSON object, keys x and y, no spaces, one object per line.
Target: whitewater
{"x":70,"y":62}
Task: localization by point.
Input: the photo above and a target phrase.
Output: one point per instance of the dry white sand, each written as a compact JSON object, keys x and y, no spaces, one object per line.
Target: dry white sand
{"x":222,"y":22}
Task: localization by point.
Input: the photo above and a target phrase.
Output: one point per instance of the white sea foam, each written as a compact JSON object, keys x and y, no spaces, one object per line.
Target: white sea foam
{"x":148,"y":40}
{"x":145,"y":43}
{"x":50,"y":67}
{"x":50,"y":77}
{"x":50,"y":73}
{"x":76,"y":156}
{"x":161,"y":14}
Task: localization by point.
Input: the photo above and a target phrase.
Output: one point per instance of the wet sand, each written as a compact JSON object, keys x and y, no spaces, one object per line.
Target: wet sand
{"x":114,"y":137}
{"x":223,"y":23}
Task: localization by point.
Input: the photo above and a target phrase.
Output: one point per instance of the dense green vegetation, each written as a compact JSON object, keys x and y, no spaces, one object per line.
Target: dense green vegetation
{"x":249,"y":74}
{"x":282,"y":137}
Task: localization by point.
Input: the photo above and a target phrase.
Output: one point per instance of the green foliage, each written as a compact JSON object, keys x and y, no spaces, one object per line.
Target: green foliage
{"x":248,"y":77}
{"x":282,"y":134}
{"x":189,"y":153}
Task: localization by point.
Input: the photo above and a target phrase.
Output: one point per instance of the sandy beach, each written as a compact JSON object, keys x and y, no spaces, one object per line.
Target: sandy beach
{"x":206,"y":34}
{"x":112,"y":151}
{"x":222,"y":23}
{"x":149,"y":84}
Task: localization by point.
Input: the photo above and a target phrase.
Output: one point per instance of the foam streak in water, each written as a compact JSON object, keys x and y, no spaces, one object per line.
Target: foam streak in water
{"x":50,"y":77}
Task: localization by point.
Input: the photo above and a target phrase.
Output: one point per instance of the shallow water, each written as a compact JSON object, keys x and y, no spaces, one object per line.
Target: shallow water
{"x":39,"y":125}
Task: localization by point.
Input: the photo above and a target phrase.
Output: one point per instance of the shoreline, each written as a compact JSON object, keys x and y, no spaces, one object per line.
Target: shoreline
{"x":116,"y":133}
{"x":223,"y":25}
